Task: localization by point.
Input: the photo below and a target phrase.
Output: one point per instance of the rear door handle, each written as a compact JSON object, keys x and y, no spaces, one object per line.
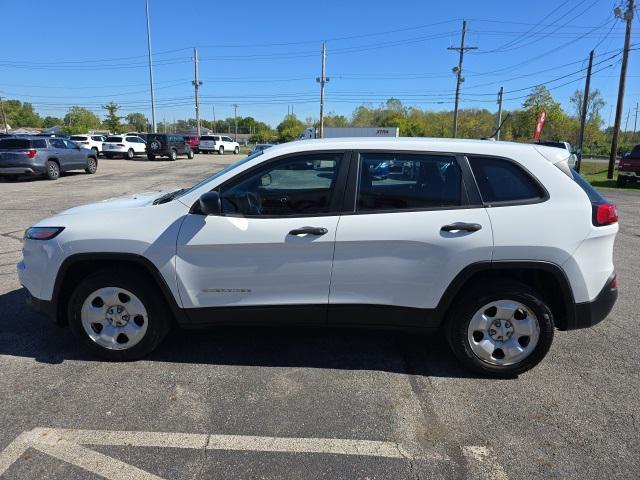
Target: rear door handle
{"x":309,"y":230}
{"x":461,"y":226}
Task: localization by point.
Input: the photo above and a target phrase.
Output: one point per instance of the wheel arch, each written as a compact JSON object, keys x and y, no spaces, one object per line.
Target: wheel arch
{"x":545,"y":277}
{"x":78,"y":266}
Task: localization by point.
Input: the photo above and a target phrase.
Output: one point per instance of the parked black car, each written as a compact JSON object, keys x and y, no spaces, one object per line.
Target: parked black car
{"x":167,"y":145}
{"x":49,"y":156}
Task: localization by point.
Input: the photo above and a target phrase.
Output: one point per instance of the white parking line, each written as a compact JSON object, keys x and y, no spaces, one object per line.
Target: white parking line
{"x":67,"y":445}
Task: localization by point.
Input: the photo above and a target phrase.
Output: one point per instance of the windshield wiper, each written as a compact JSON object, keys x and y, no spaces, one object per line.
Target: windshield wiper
{"x":167,"y":197}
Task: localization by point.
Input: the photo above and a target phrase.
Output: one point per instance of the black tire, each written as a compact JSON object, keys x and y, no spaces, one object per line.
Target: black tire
{"x":53,"y":170}
{"x":173,"y":155}
{"x":236,"y":150}
{"x":190,"y":154}
{"x":130,"y":154}
{"x":221,"y":150}
{"x":151,"y":157}
{"x":474,"y":299}
{"x":621,"y":181}
{"x":92,"y":165}
{"x":159,"y":320}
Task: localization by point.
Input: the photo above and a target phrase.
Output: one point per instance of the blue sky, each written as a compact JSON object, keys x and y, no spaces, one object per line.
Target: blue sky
{"x":265,"y":56}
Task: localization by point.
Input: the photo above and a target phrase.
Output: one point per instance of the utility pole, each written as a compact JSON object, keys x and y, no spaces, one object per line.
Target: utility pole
{"x":583,"y":113}
{"x":499,"y":123}
{"x":235,"y":121}
{"x":322,"y":79}
{"x":164,"y":124}
{"x":459,"y":78}
{"x":196,"y":84}
{"x":153,"y":101}
{"x":635,"y":122}
{"x":626,"y":123}
{"x":4,"y":117}
{"x":213,"y":110}
{"x":628,"y":17}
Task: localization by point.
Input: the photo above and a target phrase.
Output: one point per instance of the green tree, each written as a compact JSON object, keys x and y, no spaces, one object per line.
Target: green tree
{"x":595,"y":104}
{"x":81,"y":120}
{"x":290,"y":128}
{"x":112,"y":120}
{"x":137,"y":121}
{"x":21,"y":114}
{"x":49,"y":122}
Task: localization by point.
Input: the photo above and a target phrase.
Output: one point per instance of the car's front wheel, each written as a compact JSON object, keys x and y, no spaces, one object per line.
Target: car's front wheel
{"x":190,"y":154}
{"x":118,"y":315}
{"x":236,"y":150}
{"x":221,"y":151}
{"x":130,"y":154}
{"x":173,"y":155}
{"x":501,"y":329}
{"x":92,"y":166}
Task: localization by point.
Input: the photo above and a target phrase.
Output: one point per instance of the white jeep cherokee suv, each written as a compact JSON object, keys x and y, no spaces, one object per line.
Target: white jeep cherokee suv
{"x":218,"y":143}
{"x":493,"y":244}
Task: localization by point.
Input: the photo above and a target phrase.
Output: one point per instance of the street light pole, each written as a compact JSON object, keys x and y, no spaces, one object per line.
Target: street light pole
{"x":153,"y":102}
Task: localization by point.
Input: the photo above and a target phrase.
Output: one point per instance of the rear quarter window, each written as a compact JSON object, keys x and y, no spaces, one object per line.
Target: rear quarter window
{"x":39,"y":143}
{"x":502,"y":181}
{"x":113,"y":139}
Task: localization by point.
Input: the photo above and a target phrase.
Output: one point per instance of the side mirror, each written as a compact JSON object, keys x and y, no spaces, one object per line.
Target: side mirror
{"x":265,"y":180}
{"x":210,"y":203}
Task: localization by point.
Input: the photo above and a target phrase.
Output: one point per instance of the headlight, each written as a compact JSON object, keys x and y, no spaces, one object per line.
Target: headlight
{"x":42,"y":233}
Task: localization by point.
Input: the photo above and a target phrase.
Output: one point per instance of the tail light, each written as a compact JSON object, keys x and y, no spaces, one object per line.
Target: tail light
{"x":604,"y":214}
{"x":613,"y":284}
{"x":31,"y":153}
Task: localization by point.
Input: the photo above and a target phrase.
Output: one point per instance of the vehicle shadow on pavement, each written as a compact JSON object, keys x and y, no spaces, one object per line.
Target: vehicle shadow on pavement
{"x":24,"y":333}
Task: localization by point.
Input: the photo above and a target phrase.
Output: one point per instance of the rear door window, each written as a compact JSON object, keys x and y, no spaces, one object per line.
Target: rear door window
{"x":408,"y":182}
{"x":57,"y":143}
{"x":39,"y":143}
{"x":503,"y":181}
{"x":113,"y":139}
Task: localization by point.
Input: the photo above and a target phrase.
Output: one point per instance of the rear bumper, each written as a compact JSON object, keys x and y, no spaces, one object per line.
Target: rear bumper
{"x":18,"y":171}
{"x":588,"y":314}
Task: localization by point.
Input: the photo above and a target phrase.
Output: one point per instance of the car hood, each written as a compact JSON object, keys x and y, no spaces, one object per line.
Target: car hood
{"x":117,"y":203}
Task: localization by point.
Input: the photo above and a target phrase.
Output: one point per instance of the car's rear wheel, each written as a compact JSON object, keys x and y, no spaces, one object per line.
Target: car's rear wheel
{"x":221,"y":151}
{"x":53,"y":170}
{"x":92,"y":165}
{"x":130,"y":154}
{"x":621,"y":181}
{"x":500,"y":330}
{"x":173,"y":155}
{"x":190,"y":154}
{"x":118,"y":315}
{"x":236,"y":150}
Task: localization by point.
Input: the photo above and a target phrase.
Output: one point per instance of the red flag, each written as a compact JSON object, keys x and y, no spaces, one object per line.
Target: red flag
{"x":540,"y":125}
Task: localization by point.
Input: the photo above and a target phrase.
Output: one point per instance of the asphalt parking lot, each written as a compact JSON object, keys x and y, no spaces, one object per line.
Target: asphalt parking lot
{"x":276,"y":403}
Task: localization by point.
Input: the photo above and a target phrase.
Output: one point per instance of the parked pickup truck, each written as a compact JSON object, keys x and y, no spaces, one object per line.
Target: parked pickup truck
{"x":629,"y":167}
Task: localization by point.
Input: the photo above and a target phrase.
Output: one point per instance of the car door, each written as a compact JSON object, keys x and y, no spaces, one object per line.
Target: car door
{"x":63,"y":154}
{"x":76,"y":154}
{"x":272,"y":245}
{"x":415,"y":223}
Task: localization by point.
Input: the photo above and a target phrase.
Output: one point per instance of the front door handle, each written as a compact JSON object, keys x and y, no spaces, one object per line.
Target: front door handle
{"x":309,"y":230}
{"x":461,"y":226}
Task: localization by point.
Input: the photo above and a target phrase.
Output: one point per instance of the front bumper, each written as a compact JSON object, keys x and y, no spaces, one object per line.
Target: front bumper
{"x":45,"y":307}
{"x":588,"y":314}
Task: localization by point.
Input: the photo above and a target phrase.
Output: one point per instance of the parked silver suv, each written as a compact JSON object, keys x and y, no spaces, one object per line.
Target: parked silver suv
{"x":44,"y":156}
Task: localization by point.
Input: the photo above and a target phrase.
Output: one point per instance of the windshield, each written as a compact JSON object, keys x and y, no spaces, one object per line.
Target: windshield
{"x":219,"y":173}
